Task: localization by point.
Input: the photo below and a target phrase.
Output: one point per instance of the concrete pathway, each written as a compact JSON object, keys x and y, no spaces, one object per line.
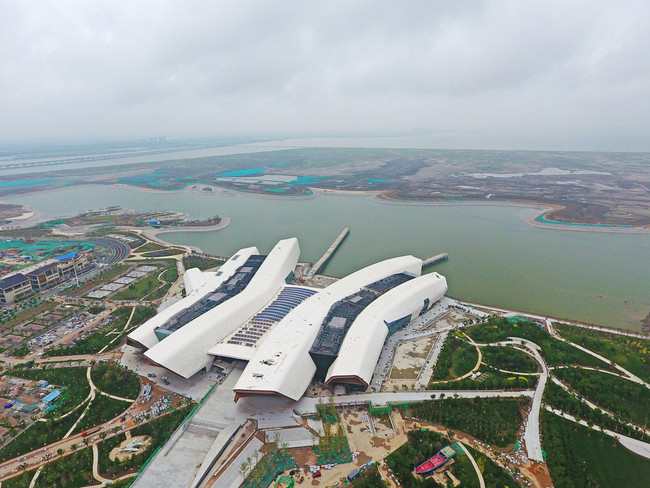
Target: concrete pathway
{"x":481,"y":481}
{"x":636,"y":446}
{"x":532,"y":437}
{"x":593,"y":405}
{"x":96,"y":474}
{"x":32,"y":483}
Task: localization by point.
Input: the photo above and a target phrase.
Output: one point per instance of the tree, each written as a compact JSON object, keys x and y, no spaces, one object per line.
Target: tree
{"x":74,"y":447}
{"x":102,"y":435}
{"x":60,"y":451}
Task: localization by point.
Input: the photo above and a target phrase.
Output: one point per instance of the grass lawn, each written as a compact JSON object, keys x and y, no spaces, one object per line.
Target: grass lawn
{"x":149,"y":246}
{"x":579,"y":457}
{"x":71,"y":471}
{"x":38,"y":435}
{"x":116,"y":381}
{"x":631,"y":353}
{"x":457,"y":358}
{"x":555,"y":352}
{"x":101,"y":410}
{"x":493,"y":420}
{"x":201,"y":262}
{"x":509,"y":359}
{"x":490,"y":380}
{"x":150,"y":287}
{"x":557,"y":397}
{"x":619,"y":396}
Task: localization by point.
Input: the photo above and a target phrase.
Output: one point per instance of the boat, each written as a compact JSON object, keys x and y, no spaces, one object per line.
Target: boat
{"x":441,"y":457}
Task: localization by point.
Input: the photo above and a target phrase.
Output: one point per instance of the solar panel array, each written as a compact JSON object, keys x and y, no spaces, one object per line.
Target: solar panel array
{"x":331,"y":335}
{"x":233,"y":286}
{"x":288,"y":299}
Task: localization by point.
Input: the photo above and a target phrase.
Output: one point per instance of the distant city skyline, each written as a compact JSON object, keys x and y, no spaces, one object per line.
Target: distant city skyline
{"x":477,"y":75}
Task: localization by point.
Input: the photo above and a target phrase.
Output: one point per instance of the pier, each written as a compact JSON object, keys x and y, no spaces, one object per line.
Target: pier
{"x":435,"y":259}
{"x":328,"y":254}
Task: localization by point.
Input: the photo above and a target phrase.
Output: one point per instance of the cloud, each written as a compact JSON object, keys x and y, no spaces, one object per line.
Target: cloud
{"x":512,"y":70}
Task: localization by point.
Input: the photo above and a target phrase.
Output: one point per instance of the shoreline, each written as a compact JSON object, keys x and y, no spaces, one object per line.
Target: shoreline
{"x":376,"y":196}
{"x":531,"y":220}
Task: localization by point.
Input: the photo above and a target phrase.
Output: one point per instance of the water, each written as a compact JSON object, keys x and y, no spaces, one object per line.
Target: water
{"x":495,"y":257}
{"x":139,"y":159}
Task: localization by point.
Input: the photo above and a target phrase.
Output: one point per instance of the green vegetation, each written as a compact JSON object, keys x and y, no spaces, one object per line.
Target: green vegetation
{"x":151,"y":287}
{"x":370,"y":479}
{"x":115,"y":380}
{"x":95,"y":309}
{"x":149,"y":246}
{"x":102,"y":409}
{"x":489,"y":380}
{"x":20,"y":351}
{"x":112,"y":468}
{"x":333,"y":447}
{"x":421,"y":446}
{"x":269,"y":467}
{"x":493,"y":420}
{"x":201,"y":262}
{"x":509,"y":359}
{"x":493,"y":475}
{"x":631,"y":353}
{"x":20,"y":481}
{"x":158,"y":429}
{"x":579,"y":457}
{"x":111,"y":332}
{"x":74,"y":380}
{"x":555,"y":352}
{"x":620,"y":396}
{"x":457,"y":358}
{"x":38,"y":435}
{"x":327,"y":412}
{"x":105,"y":276}
{"x":22,"y":315}
{"x":557,"y":397}
{"x":70,"y":471}
{"x":163,"y":253}
{"x":122,"y":483}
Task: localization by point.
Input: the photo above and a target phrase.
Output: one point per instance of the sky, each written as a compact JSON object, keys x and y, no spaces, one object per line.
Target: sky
{"x":475,"y":74}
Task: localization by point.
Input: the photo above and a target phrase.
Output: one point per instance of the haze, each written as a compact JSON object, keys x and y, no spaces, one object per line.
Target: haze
{"x":492,"y":74}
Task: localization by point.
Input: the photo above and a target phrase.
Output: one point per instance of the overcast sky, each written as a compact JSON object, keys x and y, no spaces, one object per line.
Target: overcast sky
{"x":512,"y":74}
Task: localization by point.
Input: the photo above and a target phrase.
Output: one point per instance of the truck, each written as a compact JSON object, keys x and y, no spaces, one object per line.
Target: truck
{"x":88,"y":432}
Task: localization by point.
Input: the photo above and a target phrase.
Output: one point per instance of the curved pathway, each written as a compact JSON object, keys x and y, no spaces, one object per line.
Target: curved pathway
{"x":481,"y":481}
{"x":96,"y":475}
{"x":593,"y":405}
{"x":636,"y":446}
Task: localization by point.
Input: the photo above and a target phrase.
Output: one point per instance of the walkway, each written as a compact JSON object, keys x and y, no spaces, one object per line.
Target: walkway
{"x":481,"y":481}
{"x":636,"y":446}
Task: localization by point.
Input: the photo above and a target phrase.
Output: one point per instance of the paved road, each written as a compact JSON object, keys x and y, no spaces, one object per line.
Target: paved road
{"x":119,"y":250}
{"x":309,"y":405}
{"x":532,"y":437}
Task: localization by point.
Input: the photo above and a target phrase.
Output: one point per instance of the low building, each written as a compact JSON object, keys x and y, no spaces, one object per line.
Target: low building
{"x":14,"y":288}
{"x":50,"y":397}
{"x":44,"y":276}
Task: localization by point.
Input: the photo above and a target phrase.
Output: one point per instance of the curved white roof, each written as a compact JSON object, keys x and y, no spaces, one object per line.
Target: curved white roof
{"x":282,"y":364}
{"x":364,"y":340}
{"x":185,"y":351}
{"x":197,"y":289}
